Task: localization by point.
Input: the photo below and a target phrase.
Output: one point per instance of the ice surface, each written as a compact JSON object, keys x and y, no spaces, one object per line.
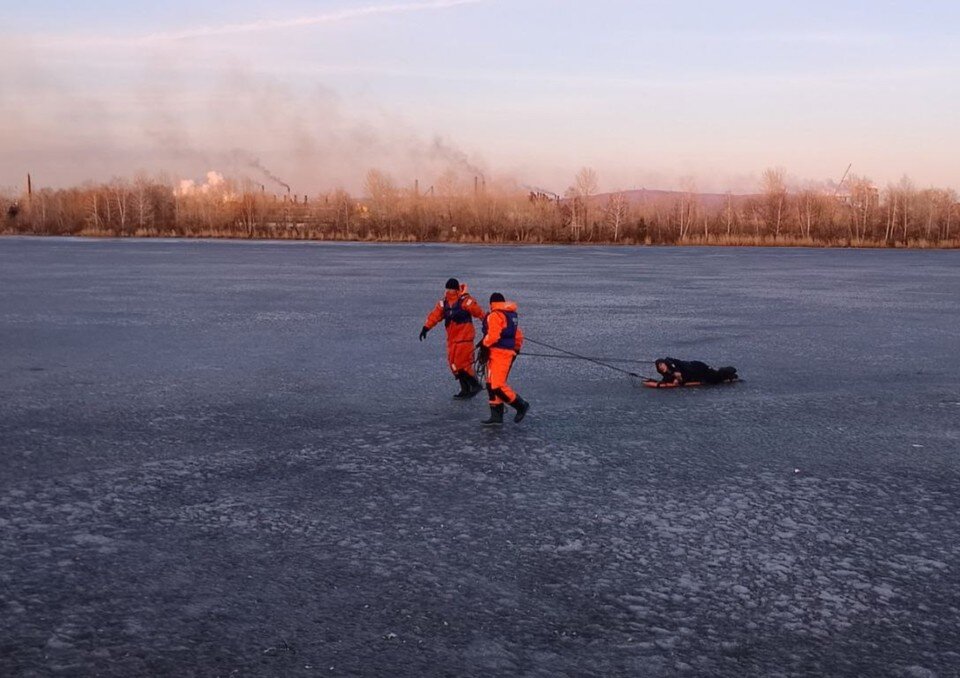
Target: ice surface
{"x":236,"y":458}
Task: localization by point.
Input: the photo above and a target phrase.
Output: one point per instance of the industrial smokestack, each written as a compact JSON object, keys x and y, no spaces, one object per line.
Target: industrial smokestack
{"x":476,"y":185}
{"x":255,"y":163}
{"x":29,"y":188}
{"x":416,"y":188}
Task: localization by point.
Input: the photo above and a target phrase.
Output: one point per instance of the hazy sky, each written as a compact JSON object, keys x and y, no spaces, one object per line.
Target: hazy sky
{"x":647,"y":93}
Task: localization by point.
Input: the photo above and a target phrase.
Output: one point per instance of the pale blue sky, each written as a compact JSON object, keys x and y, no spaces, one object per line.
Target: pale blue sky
{"x":645,"y":92}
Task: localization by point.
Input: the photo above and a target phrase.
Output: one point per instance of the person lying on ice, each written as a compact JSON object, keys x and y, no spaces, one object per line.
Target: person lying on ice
{"x":500,"y":346}
{"x":457,"y":310}
{"x":680,"y":372}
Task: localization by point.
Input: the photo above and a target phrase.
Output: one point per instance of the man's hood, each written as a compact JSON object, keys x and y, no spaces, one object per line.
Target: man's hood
{"x":504,"y":306}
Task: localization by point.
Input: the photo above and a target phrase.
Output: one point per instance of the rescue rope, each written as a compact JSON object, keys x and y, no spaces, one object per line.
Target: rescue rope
{"x":571,"y":357}
{"x":480,"y":369}
{"x":571,"y":354}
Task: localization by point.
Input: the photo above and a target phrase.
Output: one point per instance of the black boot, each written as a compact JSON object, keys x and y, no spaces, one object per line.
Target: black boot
{"x":496,"y":416}
{"x":521,"y":406}
{"x":462,"y":377}
{"x":473,"y":386}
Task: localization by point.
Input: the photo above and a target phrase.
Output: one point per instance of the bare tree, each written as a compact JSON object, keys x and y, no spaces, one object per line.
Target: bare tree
{"x":861,"y":202}
{"x":809,"y":205}
{"x":907,"y":194}
{"x":142,"y":205}
{"x":775,"y":197}
{"x":951,"y":211}
{"x":615,"y":213}
{"x":344,"y":208}
{"x":728,"y":212}
{"x":119,"y":193}
{"x":585,"y":185}
{"x":891,"y":204}
{"x":688,"y":206}
{"x":576,"y":212}
{"x":95,"y":218}
{"x":383,"y":194}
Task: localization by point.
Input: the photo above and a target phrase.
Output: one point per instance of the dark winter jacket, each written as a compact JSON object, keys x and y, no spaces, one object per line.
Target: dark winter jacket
{"x":694,"y":370}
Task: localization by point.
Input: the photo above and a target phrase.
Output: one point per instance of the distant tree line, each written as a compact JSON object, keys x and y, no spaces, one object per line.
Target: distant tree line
{"x":467,"y":209}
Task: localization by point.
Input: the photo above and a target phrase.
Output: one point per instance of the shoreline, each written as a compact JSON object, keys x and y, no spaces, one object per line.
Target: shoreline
{"x":718,"y":243}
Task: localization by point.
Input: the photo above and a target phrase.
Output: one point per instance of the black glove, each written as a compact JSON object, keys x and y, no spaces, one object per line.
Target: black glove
{"x":423,"y":332}
{"x":483,"y":353}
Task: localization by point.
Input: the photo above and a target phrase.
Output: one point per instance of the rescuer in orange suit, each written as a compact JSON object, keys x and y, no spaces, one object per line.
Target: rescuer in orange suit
{"x":500,"y":346}
{"x":457,"y":310}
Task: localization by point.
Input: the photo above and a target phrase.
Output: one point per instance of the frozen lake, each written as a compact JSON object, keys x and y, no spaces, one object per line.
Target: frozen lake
{"x":233,"y":458}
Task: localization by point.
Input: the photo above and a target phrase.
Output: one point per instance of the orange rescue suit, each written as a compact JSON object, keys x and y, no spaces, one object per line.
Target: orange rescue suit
{"x":504,"y":338}
{"x":457,"y":310}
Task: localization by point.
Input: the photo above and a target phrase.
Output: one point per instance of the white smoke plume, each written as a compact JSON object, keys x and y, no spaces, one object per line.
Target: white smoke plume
{"x":196,"y":104}
{"x":215,"y":183}
{"x":245,"y":124}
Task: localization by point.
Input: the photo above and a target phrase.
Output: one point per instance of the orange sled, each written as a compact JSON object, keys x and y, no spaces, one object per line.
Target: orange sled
{"x":653,"y":383}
